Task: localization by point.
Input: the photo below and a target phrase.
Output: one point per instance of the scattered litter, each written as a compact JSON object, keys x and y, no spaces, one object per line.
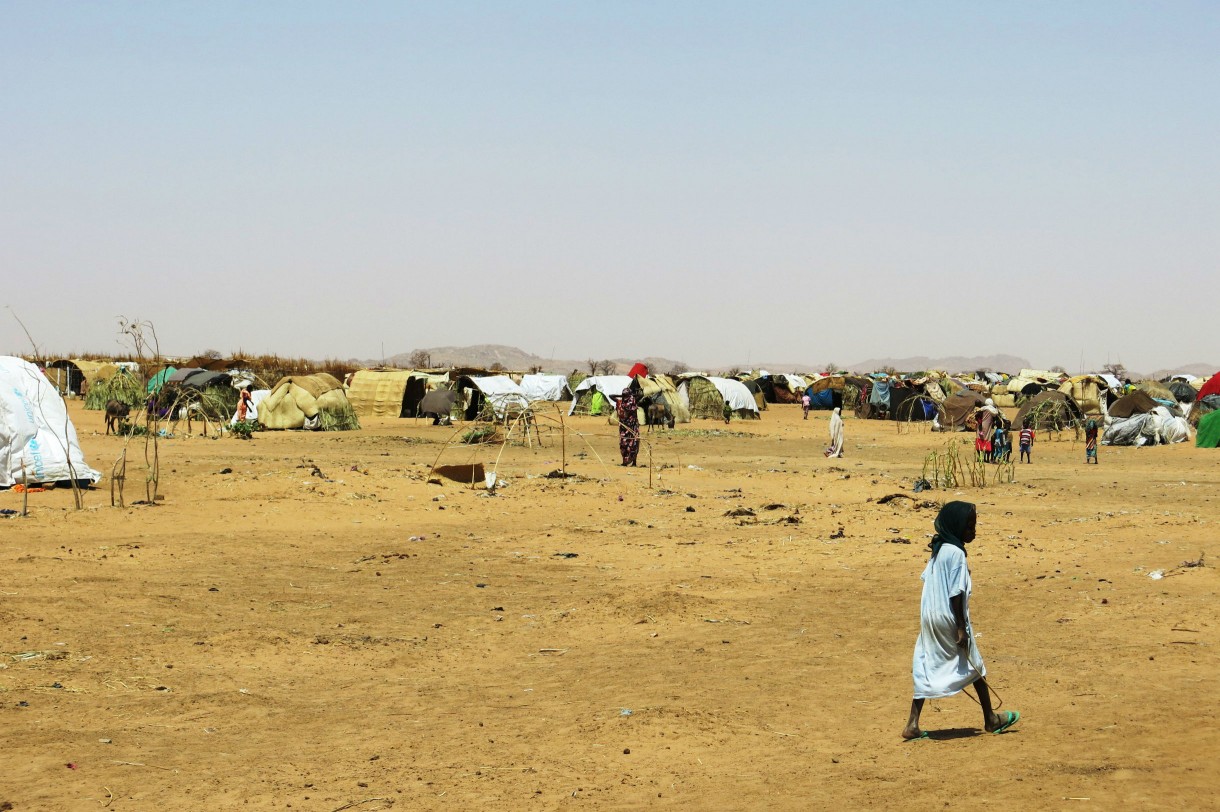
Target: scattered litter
{"x":625,"y":712}
{"x":1156,"y":575}
{"x":566,"y":555}
{"x":417,"y":538}
{"x":741,"y":511}
{"x":555,"y":651}
{"x":899,"y":540}
{"x":694,"y":468}
{"x":838,"y":534}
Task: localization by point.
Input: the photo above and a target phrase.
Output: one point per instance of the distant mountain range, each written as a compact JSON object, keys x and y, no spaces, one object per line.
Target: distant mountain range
{"x":515,"y":359}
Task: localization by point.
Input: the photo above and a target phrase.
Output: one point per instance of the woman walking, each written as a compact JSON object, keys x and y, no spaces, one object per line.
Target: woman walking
{"x":946,"y":657}
{"x":836,"y":434}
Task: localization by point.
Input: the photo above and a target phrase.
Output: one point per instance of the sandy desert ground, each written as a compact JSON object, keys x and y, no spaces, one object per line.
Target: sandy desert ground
{"x":305,"y":622}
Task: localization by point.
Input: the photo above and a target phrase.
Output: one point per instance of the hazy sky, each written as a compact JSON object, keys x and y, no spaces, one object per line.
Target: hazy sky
{"x":704,"y":181}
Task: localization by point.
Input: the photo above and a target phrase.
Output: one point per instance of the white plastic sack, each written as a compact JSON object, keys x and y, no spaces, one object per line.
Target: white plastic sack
{"x":36,"y":435}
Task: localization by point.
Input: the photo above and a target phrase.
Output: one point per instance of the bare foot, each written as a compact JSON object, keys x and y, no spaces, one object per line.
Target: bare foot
{"x":909,"y":733}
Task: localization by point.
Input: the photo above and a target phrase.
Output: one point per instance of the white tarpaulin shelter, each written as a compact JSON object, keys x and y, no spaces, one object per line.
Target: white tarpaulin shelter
{"x":501,"y":393}
{"x":36,"y":435}
{"x":545,"y":387}
{"x":608,"y":385}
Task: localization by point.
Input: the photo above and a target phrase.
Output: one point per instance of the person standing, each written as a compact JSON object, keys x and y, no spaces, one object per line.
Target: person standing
{"x":986,"y":419}
{"x":806,"y":402}
{"x":628,"y":427}
{"x":947,"y":659}
{"x":244,"y":400}
{"x":1090,"y":442}
{"x":836,"y":434}
{"x":1027,"y":442}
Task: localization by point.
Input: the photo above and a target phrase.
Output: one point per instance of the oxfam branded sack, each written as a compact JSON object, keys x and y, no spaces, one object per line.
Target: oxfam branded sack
{"x":36,"y":435}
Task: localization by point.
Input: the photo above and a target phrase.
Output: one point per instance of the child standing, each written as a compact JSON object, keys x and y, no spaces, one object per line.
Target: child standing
{"x":1027,"y":442}
{"x":1090,"y":442}
{"x":1001,"y":446}
{"x":805,"y":403}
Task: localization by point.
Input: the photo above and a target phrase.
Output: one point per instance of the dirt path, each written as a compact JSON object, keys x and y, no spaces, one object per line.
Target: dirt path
{"x":321,"y":627}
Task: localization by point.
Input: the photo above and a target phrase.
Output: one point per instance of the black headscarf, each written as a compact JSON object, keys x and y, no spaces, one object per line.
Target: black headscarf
{"x":951,"y":524}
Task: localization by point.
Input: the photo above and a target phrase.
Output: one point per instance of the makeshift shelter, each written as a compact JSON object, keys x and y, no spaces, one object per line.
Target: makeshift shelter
{"x":1158,"y":426}
{"x":1089,"y":391}
{"x":198,"y":378}
{"x":75,"y":376}
{"x":1158,"y":391}
{"x":38,"y":442}
{"x":545,"y":387}
{"x":959,"y":410}
{"x":1049,"y":410}
{"x":661,"y":388}
{"x":437,"y":404}
{"x":497,"y":392}
{"x":380,"y":392}
{"x":1210,"y":387}
{"x":315,"y":402}
{"x":706,"y":396}
{"x":1208,"y":433}
{"x":159,"y":378}
{"x":1135,"y":402}
{"x":594,"y":394}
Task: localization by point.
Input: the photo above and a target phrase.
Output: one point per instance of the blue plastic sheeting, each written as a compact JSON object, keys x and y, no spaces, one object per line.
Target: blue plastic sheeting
{"x":822,"y":400}
{"x":880,"y":395}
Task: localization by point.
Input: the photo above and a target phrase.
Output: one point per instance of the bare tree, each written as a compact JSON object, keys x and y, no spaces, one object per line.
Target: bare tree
{"x":420,"y":359}
{"x":592,"y":364}
{"x":732,"y":372}
{"x":496,"y":367}
{"x":213,"y":355}
{"x":607,"y":367}
{"x":1059,"y":369}
{"x":678,"y":369}
{"x":1117,"y":370}
{"x":831,"y":368}
{"x":535,"y":369}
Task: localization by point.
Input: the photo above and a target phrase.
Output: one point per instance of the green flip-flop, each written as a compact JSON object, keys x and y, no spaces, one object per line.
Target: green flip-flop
{"x":923,"y":734}
{"x":1011,"y":720}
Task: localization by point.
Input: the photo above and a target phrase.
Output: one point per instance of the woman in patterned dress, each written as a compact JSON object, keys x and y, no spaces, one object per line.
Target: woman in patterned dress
{"x":628,"y":427}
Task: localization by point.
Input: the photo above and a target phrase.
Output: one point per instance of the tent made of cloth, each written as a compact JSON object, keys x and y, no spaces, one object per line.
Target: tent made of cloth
{"x":1158,"y":391}
{"x":300,"y":401}
{"x":198,"y":378}
{"x":959,"y":409}
{"x":437,"y":404}
{"x":381,"y":392}
{"x":1210,"y":387}
{"x":159,"y":378}
{"x":662,"y":387}
{"x":1089,"y":391}
{"x":1156,"y":427}
{"x":706,"y":396}
{"x":1208,"y":433}
{"x":545,"y":387}
{"x":1135,"y":402}
{"x":1051,"y":409}
{"x":499,"y":391}
{"x":608,"y":386}
{"x":76,"y":375}
{"x":38,"y":443}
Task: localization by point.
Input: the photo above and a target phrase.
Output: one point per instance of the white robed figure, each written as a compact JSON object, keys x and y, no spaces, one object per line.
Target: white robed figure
{"x":947,"y":659}
{"x":836,"y":434}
